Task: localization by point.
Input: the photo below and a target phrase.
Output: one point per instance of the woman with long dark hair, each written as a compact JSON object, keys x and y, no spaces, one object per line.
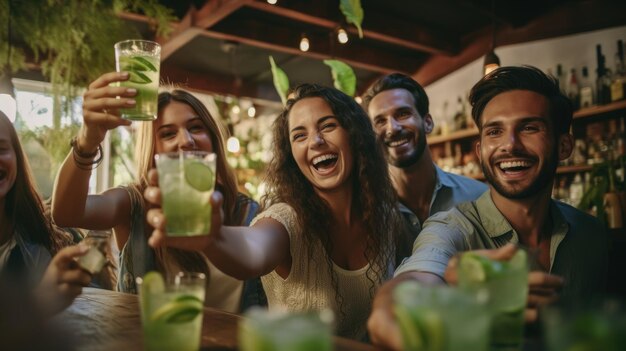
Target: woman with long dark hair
{"x":33,"y":252}
{"x":330,"y":229}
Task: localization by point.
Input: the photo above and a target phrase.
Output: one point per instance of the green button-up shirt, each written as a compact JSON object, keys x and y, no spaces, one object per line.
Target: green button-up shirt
{"x":578,"y":246}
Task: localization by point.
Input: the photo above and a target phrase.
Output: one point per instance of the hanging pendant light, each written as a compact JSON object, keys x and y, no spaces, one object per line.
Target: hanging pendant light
{"x":304,"y":43}
{"x":342,"y":35}
{"x":492,"y":61}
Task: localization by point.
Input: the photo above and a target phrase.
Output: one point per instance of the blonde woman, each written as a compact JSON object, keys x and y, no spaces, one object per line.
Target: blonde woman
{"x":183,"y":123}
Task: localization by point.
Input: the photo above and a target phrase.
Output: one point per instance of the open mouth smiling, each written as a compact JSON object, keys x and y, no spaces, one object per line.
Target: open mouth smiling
{"x":514,"y":166}
{"x":397,"y":142}
{"x":324,"y":162}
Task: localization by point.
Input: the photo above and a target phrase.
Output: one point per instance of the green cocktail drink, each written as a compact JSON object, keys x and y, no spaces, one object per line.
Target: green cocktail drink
{"x":441,"y":318}
{"x":186,"y":180}
{"x":274,"y":331}
{"x":507,"y":285}
{"x":171,"y":312}
{"x":141,"y":59}
{"x":597,"y":325}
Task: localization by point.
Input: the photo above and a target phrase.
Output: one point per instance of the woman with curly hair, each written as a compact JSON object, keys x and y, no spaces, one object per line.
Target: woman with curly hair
{"x":183,"y":123}
{"x":330,"y":231}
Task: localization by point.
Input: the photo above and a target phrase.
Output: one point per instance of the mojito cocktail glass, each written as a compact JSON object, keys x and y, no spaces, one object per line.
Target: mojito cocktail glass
{"x":593,"y":326}
{"x":263,"y":330}
{"x":186,"y":180}
{"x":171,"y":311}
{"x":441,"y":318}
{"x":141,"y":59}
{"x":507,"y":286}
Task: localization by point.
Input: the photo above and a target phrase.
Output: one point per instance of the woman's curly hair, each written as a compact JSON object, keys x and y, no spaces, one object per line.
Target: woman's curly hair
{"x":374,"y":199}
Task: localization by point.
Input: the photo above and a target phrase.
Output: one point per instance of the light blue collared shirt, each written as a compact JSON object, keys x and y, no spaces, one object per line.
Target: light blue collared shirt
{"x":450,"y":190}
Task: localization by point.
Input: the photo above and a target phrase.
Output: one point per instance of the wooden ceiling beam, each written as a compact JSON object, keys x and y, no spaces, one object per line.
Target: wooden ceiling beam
{"x":214,"y":11}
{"x":286,"y":40}
{"x":567,"y":19}
{"x":387,"y":30}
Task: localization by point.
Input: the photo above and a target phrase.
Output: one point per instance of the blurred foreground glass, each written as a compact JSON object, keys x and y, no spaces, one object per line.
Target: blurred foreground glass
{"x":594,"y":328}
{"x":186,"y":180}
{"x":142,"y":60}
{"x":171,"y":311}
{"x":441,"y":318}
{"x":96,"y":257}
{"x":262,"y":330}
{"x":507,"y":287}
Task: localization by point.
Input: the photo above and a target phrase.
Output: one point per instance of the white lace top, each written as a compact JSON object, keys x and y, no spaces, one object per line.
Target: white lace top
{"x":309,"y":285}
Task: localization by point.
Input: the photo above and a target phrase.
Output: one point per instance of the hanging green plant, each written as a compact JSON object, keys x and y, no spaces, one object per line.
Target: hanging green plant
{"x":281,"y":81}
{"x":343,"y":76}
{"x":353,"y":11}
{"x":72,"y":40}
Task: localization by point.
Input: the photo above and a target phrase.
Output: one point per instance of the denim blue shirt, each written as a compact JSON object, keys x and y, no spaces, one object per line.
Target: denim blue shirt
{"x":450,"y":190}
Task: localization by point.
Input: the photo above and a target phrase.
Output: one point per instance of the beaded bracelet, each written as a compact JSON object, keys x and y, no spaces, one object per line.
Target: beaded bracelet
{"x":85,"y":161}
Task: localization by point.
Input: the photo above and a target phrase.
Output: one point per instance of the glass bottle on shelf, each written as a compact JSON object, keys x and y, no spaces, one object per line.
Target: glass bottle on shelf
{"x":573,"y":89}
{"x":579,"y":155}
{"x":612,"y":205}
{"x":460,"y":119}
{"x":560,"y":76}
{"x":586,"y":89}
{"x":562,"y":192}
{"x":619,"y":76}
{"x":576,"y":190}
{"x":603,"y":81}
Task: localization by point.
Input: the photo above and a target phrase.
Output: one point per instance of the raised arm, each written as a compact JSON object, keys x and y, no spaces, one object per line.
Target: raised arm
{"x":71,"y":206}
{"x":241,"y":252}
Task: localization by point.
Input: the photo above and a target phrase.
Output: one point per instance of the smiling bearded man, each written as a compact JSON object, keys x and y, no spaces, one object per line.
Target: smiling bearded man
{"x":524,"y":123}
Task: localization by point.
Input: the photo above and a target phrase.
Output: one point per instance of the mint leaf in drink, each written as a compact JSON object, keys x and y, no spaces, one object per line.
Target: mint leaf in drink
{"x":138,"y":77}
{"x":144,"y":63}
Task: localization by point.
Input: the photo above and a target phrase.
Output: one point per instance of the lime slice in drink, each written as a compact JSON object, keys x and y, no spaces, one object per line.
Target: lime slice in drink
{"x":411,"y":335}
{"x":152,"y":283}
{"x":477,"y":268}
{"x":178,"y":311}
{"x":189,"y":298}
{"x":432,"y":328}
{"x":473,"y":268}
{"x":199,"y":176}
{"x":519,"y":260}
{"x":423,"y":330}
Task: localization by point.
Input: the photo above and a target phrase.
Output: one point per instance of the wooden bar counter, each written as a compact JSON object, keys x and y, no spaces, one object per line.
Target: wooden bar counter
{"x":108,"y":320}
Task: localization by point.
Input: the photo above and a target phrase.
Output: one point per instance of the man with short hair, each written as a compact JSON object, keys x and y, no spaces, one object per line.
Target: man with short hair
{"x":524,"y":122}
{"x":398,"y":108}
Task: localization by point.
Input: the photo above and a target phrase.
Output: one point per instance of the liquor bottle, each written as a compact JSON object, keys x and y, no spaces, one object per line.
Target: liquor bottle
{"x":612,"y":205}
{"x":619,"y":76}
{"x":603,"y":82}
{"x":576,"y":190}
{"x":573,"y":89}
{"x":560,"y":76}
{"x":586,"y":89}
{"x":460,"y":119}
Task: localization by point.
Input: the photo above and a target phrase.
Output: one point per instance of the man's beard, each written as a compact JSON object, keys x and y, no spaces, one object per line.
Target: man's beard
{"x":545,"y":177}
{"x":408,"y":160}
